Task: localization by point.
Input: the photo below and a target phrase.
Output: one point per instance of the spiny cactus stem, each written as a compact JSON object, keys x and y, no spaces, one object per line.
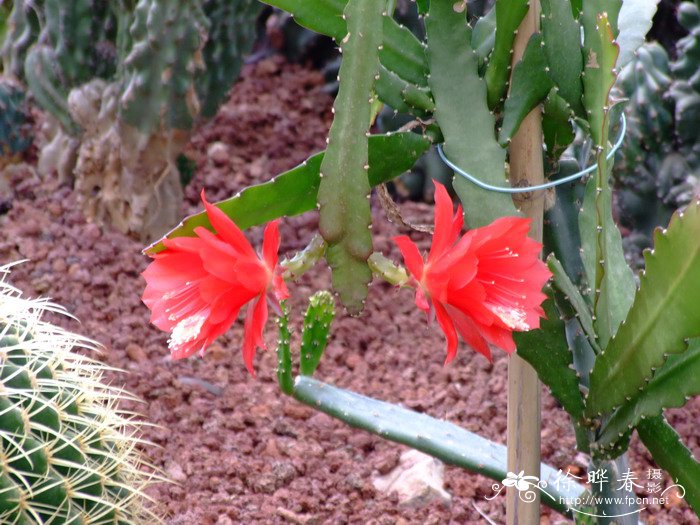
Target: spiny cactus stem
{"x":386,"y":270}
{"x":284,"y":354}
{"x":345,"y":216}
{"x":305,"y":259}
{"x":317,"y":324}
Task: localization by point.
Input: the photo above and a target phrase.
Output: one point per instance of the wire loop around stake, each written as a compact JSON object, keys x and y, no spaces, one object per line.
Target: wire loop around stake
{"x":547,"y":185}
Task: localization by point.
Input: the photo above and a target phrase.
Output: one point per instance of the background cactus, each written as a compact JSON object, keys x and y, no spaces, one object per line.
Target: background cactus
{"x":14,"y":135}
{"x":660,"y":163}
{"x":230,"y":37}
{"x":164,"y":66}
{"x":21,"y":31}
{"x":168,"y":39}
{"x":69,"y":451}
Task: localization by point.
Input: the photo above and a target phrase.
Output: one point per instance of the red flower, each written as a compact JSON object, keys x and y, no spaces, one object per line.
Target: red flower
{"x":197,"y":285}
{"x":484,"y":285}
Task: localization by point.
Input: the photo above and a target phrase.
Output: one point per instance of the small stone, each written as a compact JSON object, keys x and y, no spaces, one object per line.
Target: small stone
{"x":297,"y":411}
{"x":673,"y":499}
{"x":59,"y":265}
{"x":418,"y":479}
{"x":92,"y":232}
{"x":175,"y":472}
{"x":352,"y":361}
{"x":54,"y":208}
{"x":388,"y":462}
{"x":217,"y":352}
{"x":271,"y":449}
{"x":218,"y":153}
{"x":136,"y":353}
{"x":575,"y":470}
{"x":354,"y":481}
{"x":264,"y":483}
{"x":283,"y":472}
{"x":282,"y":427}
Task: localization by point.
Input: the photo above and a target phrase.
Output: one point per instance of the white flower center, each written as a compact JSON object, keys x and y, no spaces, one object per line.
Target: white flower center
{"x":515,"y":318}
{"x":186,"y":330}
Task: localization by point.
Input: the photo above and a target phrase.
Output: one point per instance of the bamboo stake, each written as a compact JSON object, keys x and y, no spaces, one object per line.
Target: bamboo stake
{"x":526,"y":169}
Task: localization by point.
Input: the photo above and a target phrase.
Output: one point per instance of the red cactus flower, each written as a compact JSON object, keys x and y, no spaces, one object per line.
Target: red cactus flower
{"x":196,"y":287}
{"x":482,"y":286}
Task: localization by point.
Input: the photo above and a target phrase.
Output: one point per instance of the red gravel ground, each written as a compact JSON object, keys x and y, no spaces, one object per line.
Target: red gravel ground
{"x":239,"y":451}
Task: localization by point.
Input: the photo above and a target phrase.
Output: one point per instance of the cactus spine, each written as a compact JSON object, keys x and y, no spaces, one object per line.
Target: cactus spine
{"x":68,"y":450}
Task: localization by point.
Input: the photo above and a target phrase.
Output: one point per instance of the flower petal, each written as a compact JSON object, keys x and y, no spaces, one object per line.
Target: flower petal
{"x":469,"y":331}
{"x":444,"y":223}
{"x":227,"y":229}
{"x":271,"y":244}
{"x":279,"y":287}
{"x":448,"y":328}
{"x":173,"y":271}
{"x":411,"y":255}
{"x":255,"y":320}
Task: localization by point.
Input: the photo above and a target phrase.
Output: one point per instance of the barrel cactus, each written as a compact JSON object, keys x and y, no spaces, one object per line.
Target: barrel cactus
{"x":69,"y":453}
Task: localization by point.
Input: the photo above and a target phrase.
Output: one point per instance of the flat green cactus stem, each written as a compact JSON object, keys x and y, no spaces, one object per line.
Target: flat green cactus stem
{"x":294,"y":191}
{"x":305,"y":259}
{"x":561,"y":34}
{"x":609,"y":276}
{"x":69,"y":453}
{"x":663,"y":317}
{"x":673,"y":384}
{"x":473,"y":147}
{"x":343,"y":194}
{"x":557,"y":126}
{"x":546,"y":350}
{"x":573,"y":296}
{"x":509,"y":14}
{"x":615,"y":503}
{"x":401,"y":53}
{"x":530,"y":84}
{"x":672,"y":455}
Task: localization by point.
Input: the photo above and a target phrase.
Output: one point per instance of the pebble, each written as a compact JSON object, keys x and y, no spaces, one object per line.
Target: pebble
{"x":418,"y":479}
{"x":136,"y":353}
{"x":175,"y":472}
{"x":218,"y":153}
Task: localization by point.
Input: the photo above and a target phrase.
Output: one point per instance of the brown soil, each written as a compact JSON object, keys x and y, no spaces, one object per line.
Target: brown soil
{"x":239,"y":450}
